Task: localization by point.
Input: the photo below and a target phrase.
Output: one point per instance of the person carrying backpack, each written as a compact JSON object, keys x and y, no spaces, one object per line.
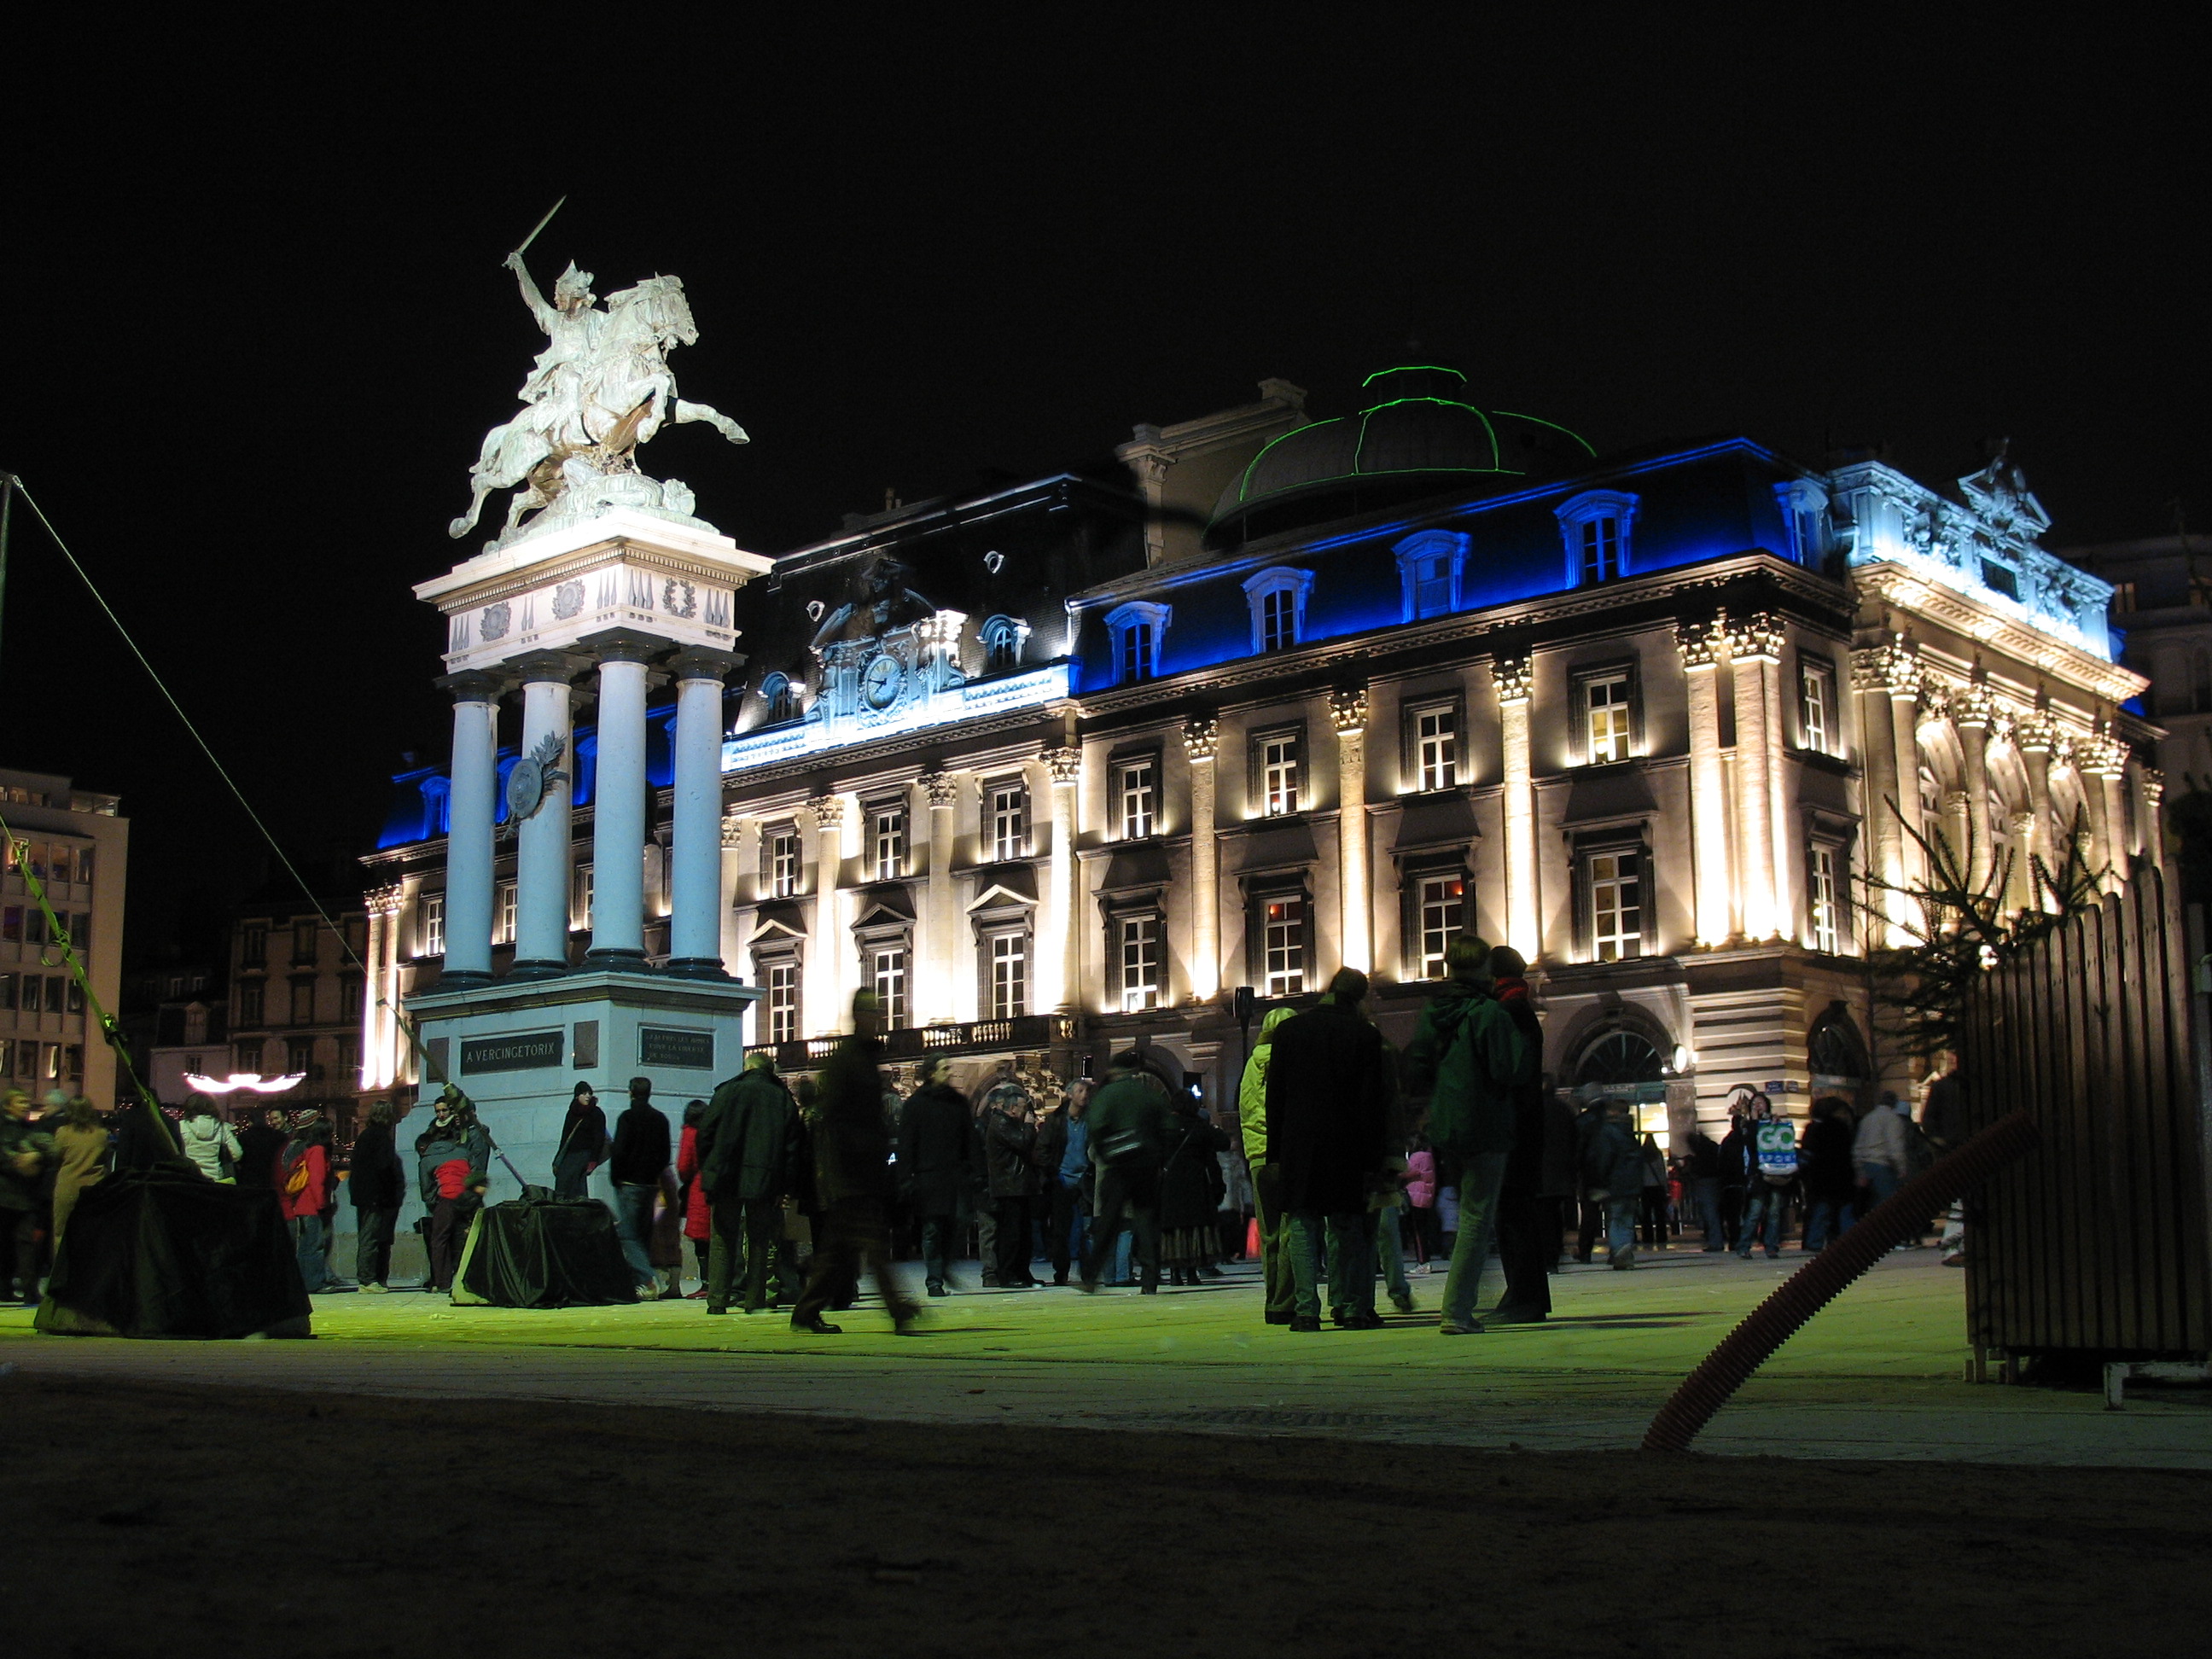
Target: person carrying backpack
{"x":1771,"y":1145}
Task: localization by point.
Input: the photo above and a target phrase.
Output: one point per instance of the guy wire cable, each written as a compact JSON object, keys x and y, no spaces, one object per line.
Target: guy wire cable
{"x":406,"y":1025}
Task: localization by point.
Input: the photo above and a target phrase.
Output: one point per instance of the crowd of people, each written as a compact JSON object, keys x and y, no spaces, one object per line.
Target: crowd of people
{"x":1345,"y":1163}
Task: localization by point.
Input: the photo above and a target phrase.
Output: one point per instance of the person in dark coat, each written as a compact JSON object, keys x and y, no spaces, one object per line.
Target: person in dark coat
{"x":258,"y":1143}
{"x":1056,"y":1208}
{"x":1830,"y":1177}
{"x":1126,"y":1126}
{"x":583,"y":1143}
{"x":1009,"y":1175}
{"x":1328,"y":1121}
{"x":747,"y":1146}
{"x":853,"y":1178}
{"x":1523,"y":1235}
{"x":1702,"y":1170}
{"x":934,"y":1167}
{"x":642,"y":1150}
{"x":1739,"y":1168}
{"x":1190,"y":1193}
{"x":378,"y":1187}
{"x":1613,"y":1175}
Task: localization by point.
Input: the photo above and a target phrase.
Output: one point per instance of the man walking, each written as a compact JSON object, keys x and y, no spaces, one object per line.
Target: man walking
{"x":747,"y":1148}
{"x":1129,"y":1136}
{"x":852,"y":1179}
{"x":1329,"y":1094}
{"x":1470,"y":1059}
{"x":641,"y":1154}
{"x":934,"y":1168}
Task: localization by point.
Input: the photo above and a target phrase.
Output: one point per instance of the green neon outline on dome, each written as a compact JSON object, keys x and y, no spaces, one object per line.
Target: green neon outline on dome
{"x":1413,"y":368}
{"x":1388,"y":472}
{"x":1497,"y":456}
{"x":1244,"y":484}
{"x":1539,"y":421}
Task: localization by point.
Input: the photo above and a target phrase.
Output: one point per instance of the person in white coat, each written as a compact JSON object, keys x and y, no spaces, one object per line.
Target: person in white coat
{"x":210,"y":1143}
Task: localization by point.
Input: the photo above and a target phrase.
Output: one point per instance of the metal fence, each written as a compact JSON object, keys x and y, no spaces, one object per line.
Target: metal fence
{"x":2096,"y":1242}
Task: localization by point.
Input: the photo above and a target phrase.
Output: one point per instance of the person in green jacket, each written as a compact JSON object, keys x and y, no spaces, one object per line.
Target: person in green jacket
{"x":748,"y":1149}
{"x":1266,"y":1180}
{"x":1128,"y":1123}
{"x":1468,"y":1057}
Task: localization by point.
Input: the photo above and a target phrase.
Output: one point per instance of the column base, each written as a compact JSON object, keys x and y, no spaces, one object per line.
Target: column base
{"x":459,"y":979}
{"x":695,"y":967}
{"x":535,"y":970}
{"x":619,"y":960}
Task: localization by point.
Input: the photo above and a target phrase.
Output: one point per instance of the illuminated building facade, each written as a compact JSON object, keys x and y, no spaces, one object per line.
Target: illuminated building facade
{"x":77,"y":846}
{"x":1057,"y":767}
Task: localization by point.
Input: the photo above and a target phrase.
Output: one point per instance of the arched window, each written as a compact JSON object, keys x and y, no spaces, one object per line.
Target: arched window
{"x":1003,"y":638}
{"x":1619,"y":1056}
{"x":1278,"y":598}
{"x":1835,"y":1054}
{"x":779,"y":697}
{"x":1594,"y":526}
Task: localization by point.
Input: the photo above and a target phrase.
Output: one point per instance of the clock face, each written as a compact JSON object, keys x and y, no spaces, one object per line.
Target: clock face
{"x":881,"y":681}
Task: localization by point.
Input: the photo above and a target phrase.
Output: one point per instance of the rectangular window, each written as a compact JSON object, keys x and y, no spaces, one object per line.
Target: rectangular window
{"x":1279,"y":620}
{"x":580,"y":908}
{"x":1137,"y":651}
{"x":783,"y":863}
{"x":11,"y":923}
{"x":249,"y":1011}
{"x":84,"y":865}
{"x":783,"y":1002}
{"x":349,"y":998}
{"x":887,"y":841}
{"x":1139,"y":944}
{"x":504,"y":927}
{"x":300,"y":1056}
{"x":1601,"y":550}
{"x":1616,"y":907}
{"x":432,"y":940}
{"x":1279,"y":775}
{"x":1010,"y":822}
{"x":1136,"y":796}
{"x":1816,"y":705}
{"x":248,"y":1059}
{"x":303,"y":1004}
{"x":1283,"y":946}
{"x":253,"y":946}
{"x":1432,"y":594}
{"x":1435,"y":747}
{"x":1606,"y":708}
{"x":887,"y":977}
{"x":34,"y":994}
{"x":1440,"y":917}
{"x":1010,"y":962}
{"x":8,"y":995}
{"x":1823,"y":901}
{"x":303,"y":943}
{"x":349,"y":1059}
{"x":71,"y":989}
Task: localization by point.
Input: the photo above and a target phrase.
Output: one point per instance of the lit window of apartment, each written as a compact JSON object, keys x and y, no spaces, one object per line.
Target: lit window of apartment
{"x":1607,"y":700}
{"x":430,"y":938}
{"x":1824,"y":899}
{"x":1277,"y":753}
{"x":782,"y":986}
{"x":504,"y":927}
{"x":1010,"y":968}
{"x":1816,"y":705}
{"x":1140,"y":949}
{"x":583,"y":888}
{"x":1283,"y":946}
{"x":1136,"y":630}
{"x":781,"y":848}
{"x":887,"y":977}
{"x":1595,"y":527}
{"x":1278,"y":601}
{"x":1009,"y":821}
{"x":1439,"y":917}
{"x":1616,"y":906}
{"x":1136,"y":797}
{"x":887,"y":841}
{"x":1436,"y":746}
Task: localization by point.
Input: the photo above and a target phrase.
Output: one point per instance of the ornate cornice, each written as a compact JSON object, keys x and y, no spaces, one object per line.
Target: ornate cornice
{"x":1892,"y":666}
{"x":2153,"y":784}
{"x":385,"y":901}
{"x":828,"y":812}
{"x":1895,"y":584}
{"x":2100,"y":754}
{"x":1972,"y":704}
{"x":734,"y":827}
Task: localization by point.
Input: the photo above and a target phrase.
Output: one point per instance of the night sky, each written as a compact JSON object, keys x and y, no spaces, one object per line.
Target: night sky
{"x":261,"y":325}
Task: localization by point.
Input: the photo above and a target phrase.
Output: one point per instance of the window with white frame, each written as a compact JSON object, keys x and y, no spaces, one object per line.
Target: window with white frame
{"x":1824,"y":898}
{"x":1607,"y":709}
{"x":1003,"y":638}
{"x":887,"y":975}
{"x":1616,"y":904}
{"x":780,"y":983}
{"x":1136,"y":796}
{"x":1428,"y":567}
{"x":1434,"y":737}
{"x":505,"y":925}
{"x":1817,"y":710}
{"x":1595,"y":527}
{"x":780,"y":699}
{"x":887,"y":841}
{"x":1009,"y":807}
{"x":1137,"y":946}
{"x":1137,"y":630}
{"x":1804,"y":508}
{"x":1282,"y":942}
{"x":1276,"y":755}
{"x":430,"y":932}
{"x":1278,"y":598}
{"x":1439,"y":917}
{"x":1009,"y":974}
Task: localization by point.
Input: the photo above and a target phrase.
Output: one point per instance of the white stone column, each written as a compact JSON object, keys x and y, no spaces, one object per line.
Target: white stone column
{"x":825,"y":951}
{"x":1523,"y":918}
{"x":695,"y":827}
{"x":1789,"y":854}
{"x":2152,"y":782}
{"x":2103,"y":763}
{"x":383,"y":905}
{"x":2036,"y":739}
{"x":936,"y":995}
{"x":1201,"y":735}
{"x":399,"y":1053}
{"x":1066,"y":766}
{"x":471,"y":808}
{"x":544,"y":859}
{"x":1754,"y":650}
{"x":1969,"y":712}
{"x":1886,"y":678}
{"x":1348,"y":712}
{"x":618,"y":799}
{"x":1700,"y":644}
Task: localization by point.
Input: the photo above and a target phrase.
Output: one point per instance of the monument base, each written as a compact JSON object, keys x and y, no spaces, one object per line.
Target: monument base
{"x":518,"y":1050}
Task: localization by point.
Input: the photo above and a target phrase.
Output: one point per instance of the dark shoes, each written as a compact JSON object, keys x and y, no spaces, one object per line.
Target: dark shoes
{"x":712,"y":1308}
{"x":937,"y":1288}
{"x":1509,"y":1315}
{"x":1274,"y":1318}
{"x":1402,"y":1301}
{"x":1297,"y":1324}
{"x":818,"y":1325}
{"x":1364,"y":1321}
{"x":1088,"y":1286}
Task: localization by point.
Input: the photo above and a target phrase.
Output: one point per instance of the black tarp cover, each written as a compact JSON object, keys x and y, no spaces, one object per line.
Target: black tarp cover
{"x":544,"y":1254}
{"x":165,"y":1252}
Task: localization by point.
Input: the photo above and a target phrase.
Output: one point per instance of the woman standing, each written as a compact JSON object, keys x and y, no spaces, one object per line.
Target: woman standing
{"x":81,"y":1158}
{"x":210,"y":1142}
{"x":583,"y":1144}
{"x":378,"y":1186}
{"x":698,"y":1218}
{"x":1187,"y":1193}
{"x":303,"y":1185}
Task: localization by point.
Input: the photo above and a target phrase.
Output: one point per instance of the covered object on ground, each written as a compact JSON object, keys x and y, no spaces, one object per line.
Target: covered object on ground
{"x":544,"y":1252}
{"x":165,"y":1252}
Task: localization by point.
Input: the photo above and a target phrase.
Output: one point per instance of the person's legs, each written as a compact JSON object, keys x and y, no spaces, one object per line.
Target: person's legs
{"x":1113,"y":1197}
{"x":1522,"y":1242}
{"x":1012,"y":1216}
{"x":1621,"y":1229}
{"x":986,"y":1242}
{"x":569,"y":1176}
{"x":1592,"y":1220}
{"x":1280,"y":1290}
{"x":836,"y":1261}
{"x":634,"y":1226}
{"x":372,"y":1245}
{"x":1732,"y":1207}
{"x":1059,"y":1227}
{"x":1358,"y":1229}
{"x":308,"y":1244}
{"x":445,"y":1243}
{"x":1302,"y":1244}
{"x":19,"y":1231}
{"x":763,"y":1226}
{"x":1144,"y":1227}
{"x":1390,"y":1256}
{"x":1705,"y":1193}
{"x":1479,"y":1182}
{"x":934,"y":1249}
{"x":726,"y":1251}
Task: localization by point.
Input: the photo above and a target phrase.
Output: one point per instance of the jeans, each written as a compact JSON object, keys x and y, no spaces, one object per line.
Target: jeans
{"x":308,"y":1239}
{"x":1765,"y":1216}
{"x":1480,"y":1178}
{"x":1822,"y":1215}
{"x":1353,"y":1278}
{"x":1705,"y":1193}
{"x":1274,"y":1256}
{"x":937,"y":1234}
{"x":1391,"y":1250}
{"x":1133,"y":1193}
{"x":634,"y":1226}
{"x":372,"y":1250}
{"x":1881,"y":1181}
{"x":1620,"y":1227}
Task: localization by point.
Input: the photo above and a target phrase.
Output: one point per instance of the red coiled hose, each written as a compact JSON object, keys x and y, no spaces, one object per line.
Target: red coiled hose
{"x":1812,"y":1287}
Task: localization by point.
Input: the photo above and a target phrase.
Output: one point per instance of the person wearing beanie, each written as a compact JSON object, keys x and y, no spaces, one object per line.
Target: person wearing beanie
{"x":583,"y":1143}
{"x":1472,"y":1061}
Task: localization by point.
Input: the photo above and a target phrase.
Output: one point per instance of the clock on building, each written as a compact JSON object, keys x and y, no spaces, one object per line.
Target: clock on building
{"x":881,"y":681}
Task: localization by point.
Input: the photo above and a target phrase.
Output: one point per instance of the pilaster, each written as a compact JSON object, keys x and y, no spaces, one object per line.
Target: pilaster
{"x":1701,"y":645}
{"x":826,"y":951}
{"x":1065,"y":764}
{"x":1347,"y":711}
{"x":1754,"y":651}
{"x":936,"y":995}
{"x":1513,"y":675}
{"x":1202,"y":736}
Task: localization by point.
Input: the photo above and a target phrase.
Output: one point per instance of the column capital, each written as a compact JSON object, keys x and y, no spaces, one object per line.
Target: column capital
{"x":696,"y":662}
{"x":2036,"y":734}
{"x":1892,"y":666}
{"x":623,"y":645}
{"x":2104,"y":754}
{"x":550,"y":667}
{"x":828,"y":812}
{"x":1702,"y":643}
{"x":1201,"y":737}
{"x":1347,"y":709}
{"x":1757,"y":637}
{"x":733,"y":828}
{"x":472,"y":685}
{"x":1512,"y":676}
{"x":943,"y":788}
{"x":2153,"y":784}
{"x":385,"y":901}
{"x":1973,"y":705}
{"x":1065,"y":763}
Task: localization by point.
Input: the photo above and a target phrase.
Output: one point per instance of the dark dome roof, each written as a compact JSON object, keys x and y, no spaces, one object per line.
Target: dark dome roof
{"x":1419,"y":437}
